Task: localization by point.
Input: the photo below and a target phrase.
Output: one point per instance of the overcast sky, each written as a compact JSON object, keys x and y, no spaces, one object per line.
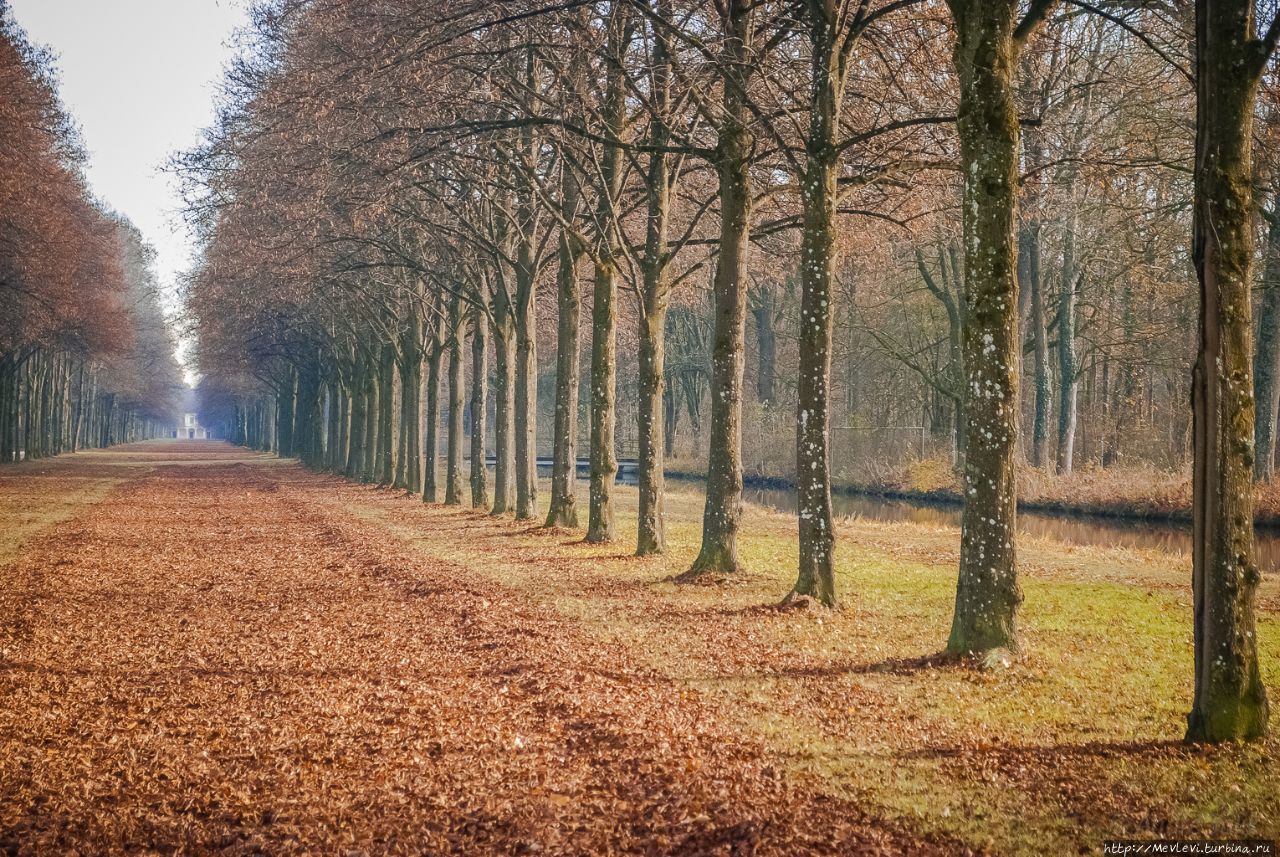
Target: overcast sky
{"x":139,"y":77}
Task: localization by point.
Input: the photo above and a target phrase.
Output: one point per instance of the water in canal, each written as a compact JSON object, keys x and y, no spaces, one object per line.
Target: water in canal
{"x":1167,"y":536}
{"x":1173,"y":537}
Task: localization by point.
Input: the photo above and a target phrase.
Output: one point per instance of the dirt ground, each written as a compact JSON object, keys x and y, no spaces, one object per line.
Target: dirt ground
{"x":206,"y":650}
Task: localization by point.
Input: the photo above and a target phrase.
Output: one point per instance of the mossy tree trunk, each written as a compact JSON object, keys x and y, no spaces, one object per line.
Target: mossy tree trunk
{"x":722,"y":512}
{"x":989,"y":38}
{"x":1230,"y":702}
{"x":816,"y":577}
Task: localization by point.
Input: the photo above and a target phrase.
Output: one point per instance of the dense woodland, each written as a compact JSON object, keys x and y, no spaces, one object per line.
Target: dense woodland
{"x":86,"y":357}
{"x":869,"y":231}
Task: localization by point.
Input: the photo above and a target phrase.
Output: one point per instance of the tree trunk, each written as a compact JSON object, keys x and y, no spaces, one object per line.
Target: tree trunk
{"x":386,"y":438}
{"x":431,"y":433}
{"x":653,"y":416}
{"x":722,"y":513}
{"x":604,"y":464}
{"x":766,"y":348}
{"x":1230,"y":700}
{"x":1068,"y":384}
{"x":479,"y":395}
{"x":368,"y":461}
{"x":816,"y":577}
{"x":1029,"y":259}
{"x":457,"y":396}
{"x":563,"y":506}
{"x":411,"y":404}
{"x":987,"y":595}
{"x":504,"y":411}
{"x":526,"y":408}
{"x":1266,"y":383}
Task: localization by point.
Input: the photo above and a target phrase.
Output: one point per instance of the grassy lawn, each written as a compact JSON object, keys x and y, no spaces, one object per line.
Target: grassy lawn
{"x":1075,"y":742}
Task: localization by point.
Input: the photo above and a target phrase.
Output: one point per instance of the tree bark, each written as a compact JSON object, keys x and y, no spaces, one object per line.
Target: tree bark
{"x":526,"y":402}
{"x":722,"y":512}
{"x":1266,"y":379}
{"x":386,"y":436}
{"x":479,"y":396}
{"x":816,"y":577}
{"x":651,"y":417}
{"x":457,"y":396}
{"x":1230,"y":701}
{"x":1068,"y":384}
{"x":763,"y":312}
{"x":504,"y":412}
{"x":988,"y":595}
{"x":1029,"y":266}
{"x":563,"y":506}
{"x":604,"y":464}
{"x":431,"y":431}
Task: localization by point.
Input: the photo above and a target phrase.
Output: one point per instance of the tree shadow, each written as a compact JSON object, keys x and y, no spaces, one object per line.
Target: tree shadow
{"x":1062,"y":752}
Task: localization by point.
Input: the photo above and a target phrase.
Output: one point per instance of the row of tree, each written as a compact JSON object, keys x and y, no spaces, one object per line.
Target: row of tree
{"x":86,"y":359}
{"x":392,"y":180}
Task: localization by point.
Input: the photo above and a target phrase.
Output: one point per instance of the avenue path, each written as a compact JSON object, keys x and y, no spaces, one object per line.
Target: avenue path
{"x":205,"y":650}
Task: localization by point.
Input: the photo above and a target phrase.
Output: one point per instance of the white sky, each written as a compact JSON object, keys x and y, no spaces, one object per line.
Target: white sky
{"x":139,"y":77}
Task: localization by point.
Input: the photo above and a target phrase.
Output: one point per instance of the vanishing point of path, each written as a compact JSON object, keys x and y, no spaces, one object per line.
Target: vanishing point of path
{"x":208,"y":655}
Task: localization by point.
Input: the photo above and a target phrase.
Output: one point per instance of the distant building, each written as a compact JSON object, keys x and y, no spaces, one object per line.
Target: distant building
{"x":188,"y":427}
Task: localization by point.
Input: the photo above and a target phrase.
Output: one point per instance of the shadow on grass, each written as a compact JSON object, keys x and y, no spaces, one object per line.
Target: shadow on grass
{"x":1061,"y":752}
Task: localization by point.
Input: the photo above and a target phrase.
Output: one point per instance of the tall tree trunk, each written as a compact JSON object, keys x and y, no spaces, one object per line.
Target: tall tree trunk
{"x":504,"y":412}
{"x":816,"y":577}
{"x":988,"y":595}
{"x":357,"y":440}
{"x":368,"y":462}
{"x":1029,"y":267}
{"x":604,"y":464}
{"x":766,"y":348}
{"x":526,"y":406}
{"x":1230,"y":700}
{"x":386,"y":437}
{"x":604,"y":358}
{"x":1266,"y":379}
{"x":431,"y":433}
{"x":479,"y":395}
{"x":722,"y":513}
{"x":457,"y":395}
{"x":410,"y":473}
{"x":563,"y":507}
{"x":1068,"y":384}
{"x":653,"y":441}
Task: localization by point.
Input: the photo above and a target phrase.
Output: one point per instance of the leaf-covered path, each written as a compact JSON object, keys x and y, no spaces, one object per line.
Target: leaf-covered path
{"x":210,"y":657}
